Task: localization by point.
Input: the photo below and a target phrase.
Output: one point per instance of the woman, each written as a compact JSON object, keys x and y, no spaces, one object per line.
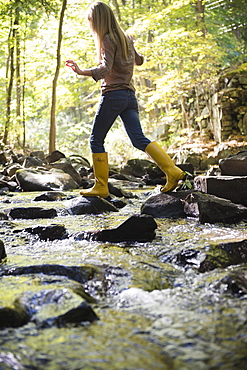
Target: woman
{"x":117,"y":57}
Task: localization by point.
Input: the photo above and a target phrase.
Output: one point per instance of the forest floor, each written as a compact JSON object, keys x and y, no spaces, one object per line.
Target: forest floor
{"x":233,"y":144}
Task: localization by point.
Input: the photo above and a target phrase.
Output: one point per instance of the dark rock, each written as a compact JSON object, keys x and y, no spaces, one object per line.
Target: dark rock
{"x":223,"y":255}
{"x":51,"y":196}
{"x":234,"y":165}
{"x":32,"y":213}
{"x":51,"y":232}
{"x":165,"y":205}
{"x":3,"y":158}
{"x":3,"y":254}
{"x":137,"y":167}
{"x":236,"y":283}
{"x":227,"y":187}
{"x":78,"y":161}
{"x":82,"y":313}
{"x":54,"y":156}
{"x":9,"y":185}
{"x":89,"y":205}
{"x":153,"y":181}
{"x":39,"y":180}
{"x":197,"y":160}
{"x":125,"y":177}
{"x":118,"y":203}
{"x":139,"y":228}
{"x":118,"y":192}
{"x":187,"y":257}
{"x":13,"y":317}
{"x":66,"y":167}
{"x":215,"y":256}
{"x":81,"y":274}
{"x":39,"y":154}
{"x":211,"y":209}
{"x":32,"y":162}
{"x":186,"y":167}
{"x":11,"y":170}
{"x":3,"y":216}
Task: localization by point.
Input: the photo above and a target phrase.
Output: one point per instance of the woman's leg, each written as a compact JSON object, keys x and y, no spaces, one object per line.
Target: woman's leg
{"x":130,"y":118}
{"x":109,"y":108}
{"x":111,"y":105}
{"x":131,"y":121}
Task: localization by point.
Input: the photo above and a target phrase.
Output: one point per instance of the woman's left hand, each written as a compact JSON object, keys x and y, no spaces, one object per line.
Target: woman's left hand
{"x":70,"y":63}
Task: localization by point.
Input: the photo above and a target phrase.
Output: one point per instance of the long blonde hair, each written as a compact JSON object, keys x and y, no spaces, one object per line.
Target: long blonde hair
{"x":102,"y":21}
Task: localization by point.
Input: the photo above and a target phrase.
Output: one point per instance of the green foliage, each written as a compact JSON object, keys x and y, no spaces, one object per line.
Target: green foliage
{"x":177,"y":59}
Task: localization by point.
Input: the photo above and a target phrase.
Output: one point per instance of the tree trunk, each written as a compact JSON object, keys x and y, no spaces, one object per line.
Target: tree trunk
{"x":200,"y":21}
{"x":52,"y":138}
{"x":18,"y":74}
{"x":23,"y":92}
{"x":10,"y":70}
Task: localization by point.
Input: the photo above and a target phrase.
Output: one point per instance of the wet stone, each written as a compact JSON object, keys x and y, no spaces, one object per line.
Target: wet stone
{"x":224,"y":255}
{"x":120,"y":193}
{"x":3,"y":216}
{"x":139,"y":228}
{"x":50,"y":196}
{"x":211,"y":209}
{"x":51,"y":232}
{"x":165,"y":205}
{"x":186,"y":258}
{"x":82,"y":313}
{"x":3,"y":254}
{"x":89,"y":205}
{"x":32,"y":213}
{"x":13,"y":317}
{"x":215,"y":256}
{"x":81,"y":274}
{"x":236,"y":283}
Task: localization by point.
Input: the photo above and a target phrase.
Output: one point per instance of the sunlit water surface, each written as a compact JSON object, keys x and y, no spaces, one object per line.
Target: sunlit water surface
{"x":153,"y":314}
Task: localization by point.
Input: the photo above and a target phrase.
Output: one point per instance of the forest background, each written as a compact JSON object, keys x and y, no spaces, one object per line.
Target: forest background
{"x":45,"y":106}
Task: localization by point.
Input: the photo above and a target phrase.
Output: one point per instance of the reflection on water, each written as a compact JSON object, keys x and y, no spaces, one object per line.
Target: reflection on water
{"x":153,"y":314}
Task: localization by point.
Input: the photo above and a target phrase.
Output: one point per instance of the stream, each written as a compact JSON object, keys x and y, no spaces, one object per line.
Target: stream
{"x":152,"y":314}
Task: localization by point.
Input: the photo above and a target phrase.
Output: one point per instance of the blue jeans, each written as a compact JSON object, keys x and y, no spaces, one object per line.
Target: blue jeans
{"x":121,"y":103}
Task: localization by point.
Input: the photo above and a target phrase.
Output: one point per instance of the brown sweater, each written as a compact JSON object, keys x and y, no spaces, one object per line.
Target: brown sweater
{"x":114,"y":71}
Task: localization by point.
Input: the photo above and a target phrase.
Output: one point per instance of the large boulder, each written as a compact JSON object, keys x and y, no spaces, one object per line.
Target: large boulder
{"x":39,"y":180}
{"x":89,"y":205}
{"x":212,"y":209}
{"x":234,"y":165}
{"x":165,"y":205}
{"x":233,"y":188}
{"x":139,"y":167}
{"x":66,"y":167}
{"x":140,"y":228}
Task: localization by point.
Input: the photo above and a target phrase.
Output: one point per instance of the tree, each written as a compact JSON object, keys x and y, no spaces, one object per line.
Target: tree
{"x":185,"y":44}
{"x":52,"y":137}
{"x":16,"y":12}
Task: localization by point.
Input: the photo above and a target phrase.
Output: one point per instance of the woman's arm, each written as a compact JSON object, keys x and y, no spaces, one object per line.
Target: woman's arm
{"x":139,"y":59}
{"x":82,"y":72}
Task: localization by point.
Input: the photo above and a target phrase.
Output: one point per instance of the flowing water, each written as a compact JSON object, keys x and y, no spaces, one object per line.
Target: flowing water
{"x":152,"y":314}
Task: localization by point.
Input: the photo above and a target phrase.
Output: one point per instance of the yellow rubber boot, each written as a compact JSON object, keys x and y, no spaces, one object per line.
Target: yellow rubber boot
{"x":100,"y":168}
{"x":165,"y":163}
